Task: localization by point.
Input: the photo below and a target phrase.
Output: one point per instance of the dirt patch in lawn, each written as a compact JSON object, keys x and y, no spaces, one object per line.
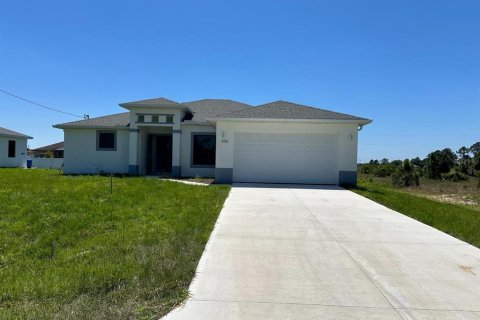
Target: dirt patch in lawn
{"x":454,"y":198}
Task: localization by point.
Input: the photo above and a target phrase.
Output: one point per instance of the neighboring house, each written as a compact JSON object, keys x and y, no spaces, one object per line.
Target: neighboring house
{"x":13,"y":148}
{"x":278,"y":142}
{"x":53,"y":150}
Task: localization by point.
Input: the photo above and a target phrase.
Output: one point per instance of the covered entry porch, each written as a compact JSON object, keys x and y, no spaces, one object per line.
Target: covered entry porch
{"x":157,"y":151}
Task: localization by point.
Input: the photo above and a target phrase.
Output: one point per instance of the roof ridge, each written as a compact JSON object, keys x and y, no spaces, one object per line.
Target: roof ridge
{"x":282,"y":109}
{"x":215,"y":99}
{"x":143,"y":101}
{"x":50,"y":145}
{"x":314,"y":108}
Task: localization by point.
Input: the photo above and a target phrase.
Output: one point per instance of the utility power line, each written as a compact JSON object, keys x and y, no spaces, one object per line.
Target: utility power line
{"x":45,"y":107}
{"x":422,"y":134}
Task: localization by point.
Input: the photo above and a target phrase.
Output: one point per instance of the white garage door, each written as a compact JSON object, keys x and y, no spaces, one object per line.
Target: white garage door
{"x":285,"y":158}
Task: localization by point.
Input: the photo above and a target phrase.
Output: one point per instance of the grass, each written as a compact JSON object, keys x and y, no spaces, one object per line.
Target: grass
{"x":127,"y":255}
{"x":456,"y":192}
{"x":460,"y":221}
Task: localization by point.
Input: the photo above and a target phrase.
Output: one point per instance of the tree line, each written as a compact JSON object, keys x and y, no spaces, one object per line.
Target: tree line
{"x":440,"y":164}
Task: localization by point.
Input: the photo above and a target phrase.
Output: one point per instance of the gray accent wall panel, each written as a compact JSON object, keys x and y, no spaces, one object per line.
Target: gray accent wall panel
{"x":176,"y":171}
{"x":223,"y":175}
{"x":133,"y":170}
{"x":347,"y":178}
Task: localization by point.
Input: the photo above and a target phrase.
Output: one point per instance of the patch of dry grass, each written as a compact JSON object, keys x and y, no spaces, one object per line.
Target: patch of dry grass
{"x":457,"y":192}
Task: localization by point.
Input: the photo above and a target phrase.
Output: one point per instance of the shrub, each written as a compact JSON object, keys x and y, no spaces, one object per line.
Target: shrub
{"x":418,"y":162}
{"x":385,"y":170}
{"x":406,"y":175}
{"x":439,"y":162}
{"x":396,"y":162}
{"x":365,"y":168}
{"x":381,"y":172}
{"x":456,"y":176}
{"x":49,"y":154}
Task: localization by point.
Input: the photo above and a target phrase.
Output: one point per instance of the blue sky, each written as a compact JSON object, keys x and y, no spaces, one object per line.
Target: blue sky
{"x":411,"y":66}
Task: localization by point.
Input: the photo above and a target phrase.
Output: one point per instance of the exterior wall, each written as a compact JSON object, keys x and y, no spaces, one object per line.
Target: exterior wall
{"x":20,"y":159}
{"x":186,"y":151}
{"x":82,"y":157}
{"x":347,"y":143}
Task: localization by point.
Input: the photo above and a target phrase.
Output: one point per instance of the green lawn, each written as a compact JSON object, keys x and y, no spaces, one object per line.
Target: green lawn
{"x":460,"y":221}
{"x":130,"y":254}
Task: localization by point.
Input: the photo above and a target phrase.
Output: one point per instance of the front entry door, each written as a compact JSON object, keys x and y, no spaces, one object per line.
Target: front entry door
{"x":159,"y":156}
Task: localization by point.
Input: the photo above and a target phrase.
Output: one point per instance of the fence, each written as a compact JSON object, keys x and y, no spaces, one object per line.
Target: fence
{"x":47,"y":163}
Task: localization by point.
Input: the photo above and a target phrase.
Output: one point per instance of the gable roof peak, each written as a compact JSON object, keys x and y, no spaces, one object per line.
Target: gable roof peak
{"x":286,"y":110}
{"x":155,"y":102}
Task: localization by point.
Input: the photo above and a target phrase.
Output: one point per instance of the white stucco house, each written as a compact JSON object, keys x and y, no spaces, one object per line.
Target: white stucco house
{"x":13,"y":149}
{"x":278,"y":142}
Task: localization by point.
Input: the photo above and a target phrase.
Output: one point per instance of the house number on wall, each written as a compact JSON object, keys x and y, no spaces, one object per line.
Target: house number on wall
{"x":224,"y":141}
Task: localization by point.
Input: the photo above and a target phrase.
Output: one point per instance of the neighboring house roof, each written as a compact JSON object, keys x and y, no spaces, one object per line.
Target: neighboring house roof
{"x":10,"y":133}
{"x":288,"y":110}
{"x":51,"y":147}
{"x":158,"y":102}
{"x":114,"y":120}
{"x":207,"y":108}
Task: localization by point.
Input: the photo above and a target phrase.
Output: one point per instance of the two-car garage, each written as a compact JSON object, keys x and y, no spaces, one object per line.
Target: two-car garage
{"x":284,"y":142}
{"x":285,"y":158}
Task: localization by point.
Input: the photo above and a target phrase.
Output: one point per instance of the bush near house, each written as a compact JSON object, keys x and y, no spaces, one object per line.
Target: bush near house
{"x":69,"y":249}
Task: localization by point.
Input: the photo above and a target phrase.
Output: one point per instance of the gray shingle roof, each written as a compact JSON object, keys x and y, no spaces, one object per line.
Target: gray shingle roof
{"x":114,"y":120}
{"x":53,"y":147}
{"x":158,"y":102}
{"x":288,"y":110}
{"x":220,"y":109}
{"x":208,"y":108}
{"x":10,"y":133}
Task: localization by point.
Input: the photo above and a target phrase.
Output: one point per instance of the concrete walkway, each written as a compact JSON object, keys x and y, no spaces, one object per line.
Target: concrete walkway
{"x":300,"y":252}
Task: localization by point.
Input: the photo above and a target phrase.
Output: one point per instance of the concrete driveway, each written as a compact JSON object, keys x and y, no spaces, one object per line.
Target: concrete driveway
{"x":304,"y":252}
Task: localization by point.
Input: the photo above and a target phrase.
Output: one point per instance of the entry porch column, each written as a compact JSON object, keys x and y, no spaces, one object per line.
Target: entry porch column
{"x":133,"y":167}
{"x":176,"y":168}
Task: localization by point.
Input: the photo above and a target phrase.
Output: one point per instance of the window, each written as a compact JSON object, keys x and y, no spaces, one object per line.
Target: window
{"x":141,"y":118}
{"x":155,"y":119}
{"x":106,"y":140}
{"x":11,"y":148}
{"x":169,"y":119}
{"x":203,"y":149}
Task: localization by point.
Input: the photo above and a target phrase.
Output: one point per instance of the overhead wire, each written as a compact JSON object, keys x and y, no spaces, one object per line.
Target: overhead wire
{"x":85,"y":116}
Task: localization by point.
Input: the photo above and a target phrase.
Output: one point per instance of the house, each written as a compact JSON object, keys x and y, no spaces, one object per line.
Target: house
{"x":51,"y":151}
{"x":277,"y":142}
{"x":13,"y":148}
